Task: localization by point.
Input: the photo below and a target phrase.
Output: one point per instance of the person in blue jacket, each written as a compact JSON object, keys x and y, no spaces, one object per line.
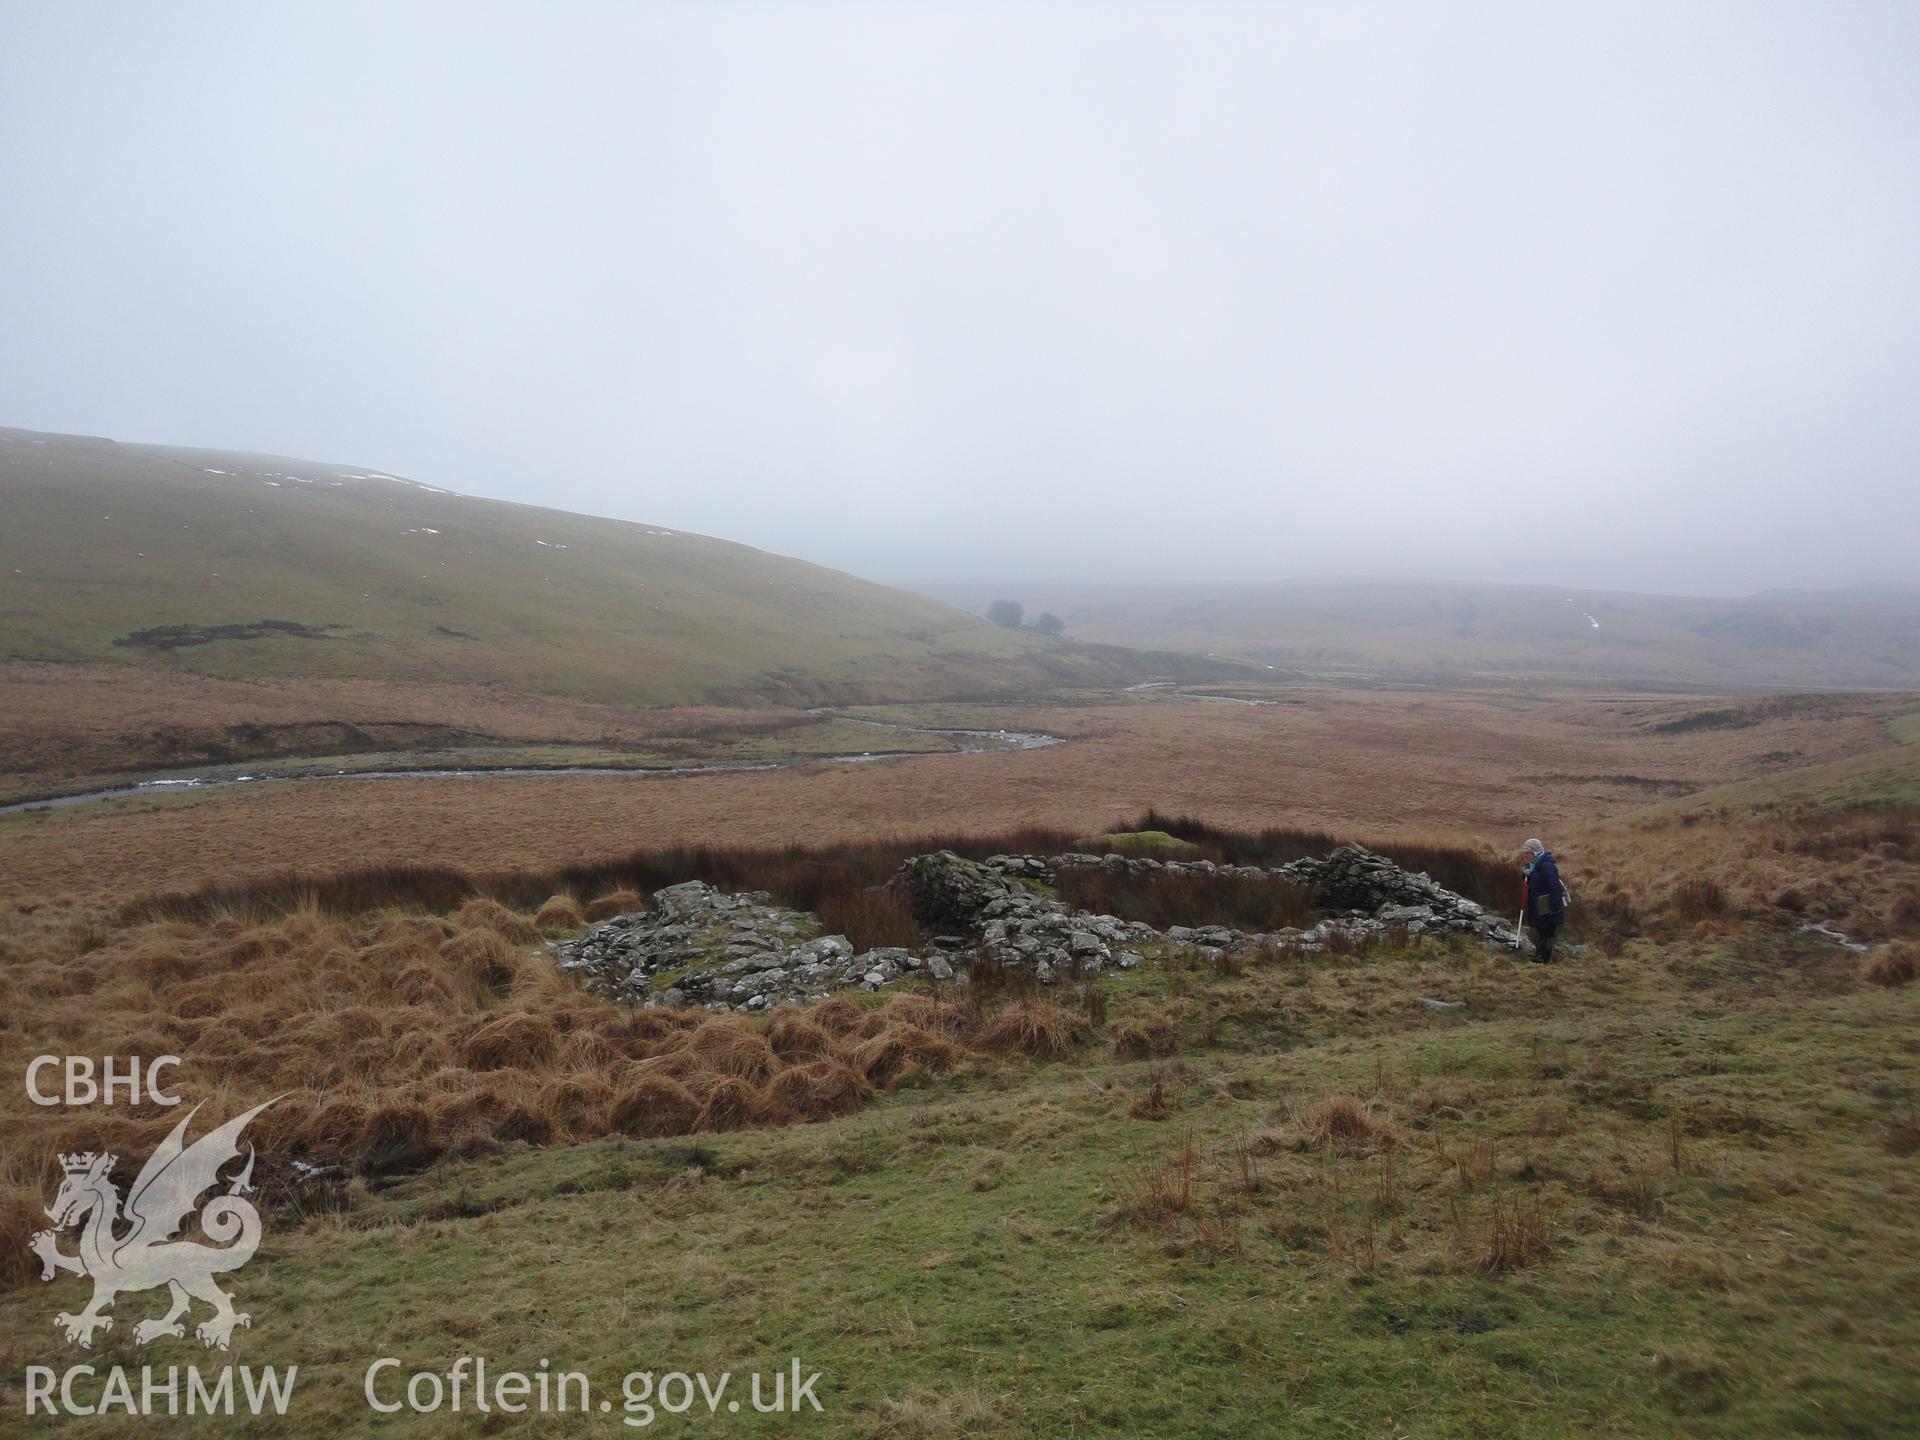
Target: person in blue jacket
{"x":1546,"y":901}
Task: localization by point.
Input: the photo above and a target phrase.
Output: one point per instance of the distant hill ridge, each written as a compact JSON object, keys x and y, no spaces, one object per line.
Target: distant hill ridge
{"x":258,"y":565}
{"x":1861,"y":637}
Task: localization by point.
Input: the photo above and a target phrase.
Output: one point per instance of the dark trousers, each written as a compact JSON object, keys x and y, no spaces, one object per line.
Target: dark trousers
{"x":1543,"y":938}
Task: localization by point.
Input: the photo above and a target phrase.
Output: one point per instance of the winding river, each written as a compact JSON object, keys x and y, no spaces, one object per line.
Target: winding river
{"x":966,"y":742}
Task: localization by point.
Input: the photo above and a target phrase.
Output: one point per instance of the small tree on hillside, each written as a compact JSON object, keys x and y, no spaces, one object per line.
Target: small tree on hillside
{"x":1048,"y":623}
{"x":1007,"y":613}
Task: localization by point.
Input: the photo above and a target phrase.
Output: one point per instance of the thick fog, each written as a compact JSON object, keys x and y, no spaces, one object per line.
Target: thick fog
{"x":1607,"y":294}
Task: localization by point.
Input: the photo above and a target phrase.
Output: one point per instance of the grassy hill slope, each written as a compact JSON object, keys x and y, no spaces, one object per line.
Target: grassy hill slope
{"x":1889,"y":776}
{"x":174,"y":558}
{"x":1662,"y":1188}
{"x":1862,"y":637}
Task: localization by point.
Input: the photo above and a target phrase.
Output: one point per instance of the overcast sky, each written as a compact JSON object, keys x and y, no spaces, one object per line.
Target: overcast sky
{"x":1602,"y":294}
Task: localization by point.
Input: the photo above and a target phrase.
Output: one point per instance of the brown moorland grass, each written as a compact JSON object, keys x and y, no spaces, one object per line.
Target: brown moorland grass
{"x":1787,"y":1074}
{"x":396,"y":1039}
{"x":1342,"y":1122}
{"x":1857,"y":869}
{"x":402,"y":1035}
{"x":1698,"y":897}
{"x":560,"y":912}
{"x":1162,"y":899}
{"x":1617,"y":1172}
{"x":1034,"y":1028}
{"x":844,"y":886}
{"x":1141,"y":1036}
{"x":615,"y":902}
{"x":1492,"y":764}
{"x":1895,"y":964}
{"x":820,"y":1089}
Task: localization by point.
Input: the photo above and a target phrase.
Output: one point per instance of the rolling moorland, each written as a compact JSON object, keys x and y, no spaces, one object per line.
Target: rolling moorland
{"x":254,"y":566}
{"x":1450,"y":632}
{"x":1408,"y":1184}
{"x":1478,"y":767}
{"x":1660,"y":1188}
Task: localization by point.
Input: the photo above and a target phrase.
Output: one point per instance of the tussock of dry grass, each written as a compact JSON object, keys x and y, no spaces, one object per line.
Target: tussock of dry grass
{"x":654,"y":1105}
{"x":1154,"y":1105}
{"x":730,"y":1103}
{"x":1032,"y":1027}
{"x":1698,"y":898}
{"x":616,"y":902}
{"x":580,"y":1104}
{"x":398,"y":1039}
{"x":559,"y":912}
{"x":1142,"y":1036}
{"x":901,"y":1049}
{"x":1340,"y":1122}
{"x":517,"y":1041}
{"x":839,"y":1016}
{"x":794,"y":1037}
{"x":1894,"y":964}
{"x":481,"y":913}
{"x":818,"y":1090}
{"x":942,"y":1017}
{"x":1514,"y":1236}
{"x":480,"y":966}
{"x":729,"y":1048}
{"x":1162,"y":1190}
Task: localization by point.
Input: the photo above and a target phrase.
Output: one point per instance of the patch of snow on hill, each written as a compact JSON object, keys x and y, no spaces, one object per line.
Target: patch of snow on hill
{"x":394,"y":479}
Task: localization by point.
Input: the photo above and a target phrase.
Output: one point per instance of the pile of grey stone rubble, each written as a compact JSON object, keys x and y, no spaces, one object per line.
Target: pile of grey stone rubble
{"x":701,"y":946}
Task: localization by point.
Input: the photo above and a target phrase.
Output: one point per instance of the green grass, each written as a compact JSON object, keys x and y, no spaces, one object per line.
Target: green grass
{"x":408,"y":583}
{"x":128,"y":805}
{"x":1887,"y":776}
{"x":1709,"y":1134}
{"x":1156,"y":844}
{"x":1881,"y":777}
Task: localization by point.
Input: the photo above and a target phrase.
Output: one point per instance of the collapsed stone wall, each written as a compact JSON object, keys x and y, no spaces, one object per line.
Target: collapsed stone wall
{"x":700,"y":946}
{"x":1013,"y":921}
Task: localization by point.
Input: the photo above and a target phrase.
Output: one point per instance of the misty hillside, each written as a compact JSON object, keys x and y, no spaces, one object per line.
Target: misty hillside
{"x":251,"y":565}
{"x":1862,"y":637}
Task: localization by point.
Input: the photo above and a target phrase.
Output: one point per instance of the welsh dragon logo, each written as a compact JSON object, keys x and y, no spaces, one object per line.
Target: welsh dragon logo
{"x":131,"y":1245}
